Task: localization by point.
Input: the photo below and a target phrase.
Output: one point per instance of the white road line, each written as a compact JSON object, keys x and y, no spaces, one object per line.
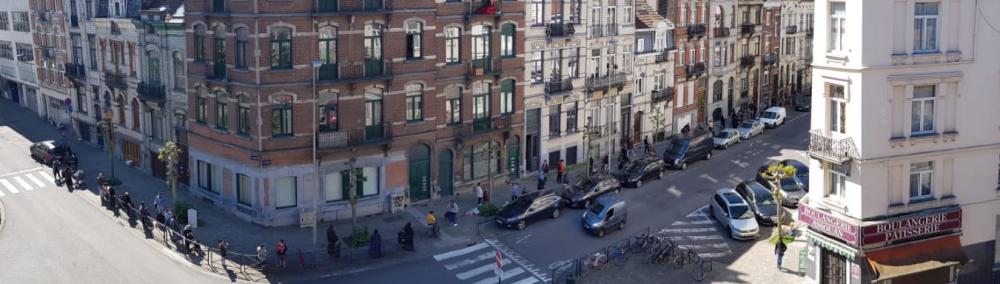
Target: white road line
{"x":469,"y":261}
{"x":47,"y":176}
{"x":695,"y":238}
{"x":506,"y":275}
{"x":10,"y":187}
{"x":712,"y":254}
{"x":682,"y":223}
{"x":705,"y":246}
{"x":687,"y":230}
{"x":23,"y":183}
{"x":531,"y":280}
{"x":14,"y":173}
{"x":34,"y":180}
{"x":480,"y":270}
{"x":698,"y":213}
{"x":463,"y":251}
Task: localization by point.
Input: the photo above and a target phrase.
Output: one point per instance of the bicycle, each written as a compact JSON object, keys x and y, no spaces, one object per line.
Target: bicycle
{"x":698,"y":273}
{"x":618,"y":255}
{"x":597,"y":261}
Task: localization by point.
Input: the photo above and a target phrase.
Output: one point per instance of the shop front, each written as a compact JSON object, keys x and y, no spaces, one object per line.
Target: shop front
{"x":918,"y":247}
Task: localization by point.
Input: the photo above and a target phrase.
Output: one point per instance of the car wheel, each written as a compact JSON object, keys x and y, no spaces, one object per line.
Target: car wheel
{"x":659,"y":175}
{"x":555,"y":213}
{"x":638,"y":184}
{"x":600,"y":233}
{"x":586,"y":203}
{"x":725,"y":146}
{"x":684,"y":165}
{"x":621,"y":226}
{"x":521,"y":224}
{"x":709,"y":155}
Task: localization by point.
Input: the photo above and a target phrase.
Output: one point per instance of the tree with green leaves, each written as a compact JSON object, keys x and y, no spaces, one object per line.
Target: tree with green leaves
{"x":170,"y":154}
{"x":773,"y":174}
{"x":660,"y":119}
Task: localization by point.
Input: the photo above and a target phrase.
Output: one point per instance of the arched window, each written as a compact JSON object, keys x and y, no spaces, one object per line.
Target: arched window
{"x":241,"y":47}
{"x":281,"y":116}
{"x":243,"y":116}
{"x":414,"y":40}
{"x":221,"y":111}
{"x":179,"y":70}
{"x":720,"y":17}
{"x":373,"y":49}
{"x":480,"y":43}
{"x":414,"y":102}
{"x":153,"y":67}
{"x":329,"y":119}
{"x":717,"y":91}
{"x":328,"y":52}
{"x":281,"y":48}
{"x":136,"y":118}
{"x":120,"y":103}
{"x":199,"y":43}
{"x":507,"y":36}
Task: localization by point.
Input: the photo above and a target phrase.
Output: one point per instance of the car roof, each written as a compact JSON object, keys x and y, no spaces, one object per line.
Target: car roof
{"x":775,"y":108}
{"x":731,"y":197}
{"x":756,"y":187}
{"x":610,"y":199}
{"x":728,"y":130}
{"x":795,"y":163}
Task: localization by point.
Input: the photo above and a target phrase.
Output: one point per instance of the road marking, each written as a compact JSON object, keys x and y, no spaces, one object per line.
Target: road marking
{"x":34,"y":180}
{"x":468,"y":261}
{"x":522,"y":239}
{"x":705,"y":246}
{"x":10,"y":187}
{"x":688,"y":230}
{"x":531,"y":280}
{"x":48,"y":177}
{"x":510,"y":254}
{"x":455,"y":253}
{"x":506,"y":275}
{"x":480,"y":270}
{"x":23,"y":183}
{"x":700,"y":212}
{"x":682,"y":223}
{"x":14,"y":173}
{"x":713,"y":254}
{"x":695,"y":238}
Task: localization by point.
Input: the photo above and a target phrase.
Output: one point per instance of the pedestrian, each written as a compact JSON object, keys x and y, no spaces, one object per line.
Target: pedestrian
{"x":479,"y":194}
{"x":545,"y":167}
{"x":452,"y":213}
{"x":333,"y":242}
{"x":375,"y":245}
{"x":223,"y":251}
{"x":281,"y":249}
{"x":779,"y":250}
{"x":160,"y":219}
{"x":158,"y":201}
{"x":407,"y":235}
{"x":262,"y":256}
{"x":606,"y":163}
{"x":127,"y":202}
{"x":433,"y":229}
{"x":73,"y":159}
{"x":622,"y":160}
{"x":541,"y":181}
{"x":68,"y":178}
{"x":144,"y":214}
{"x":561,"y":168}
{"x":515,"y":191}
{"x":56,"y":169}
{"x":168,"y":216}
{"x":112,"y":199}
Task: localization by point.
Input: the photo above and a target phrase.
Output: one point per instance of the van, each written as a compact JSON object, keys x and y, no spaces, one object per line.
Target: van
{"x":607,"y":212}
{"x":689,"y":148}
{"x":773,"y":116}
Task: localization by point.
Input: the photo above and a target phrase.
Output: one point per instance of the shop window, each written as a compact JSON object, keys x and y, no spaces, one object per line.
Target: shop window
{"x":286,"y":192}
{"x":243,"y":189}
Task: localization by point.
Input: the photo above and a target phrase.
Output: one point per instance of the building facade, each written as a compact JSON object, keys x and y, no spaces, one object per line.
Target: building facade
{"x":49,"y":35}
{"x":904,"y":147}
{"x":722,"y":72}
{"x":296,"y":103}
{"x":652,"y":108}
{"x":609,"y":77}
{"x":18,"y":79}
{"x":748,"y":50}
{"x":796,"y":52}
{"x":690,"y":79}
{"x":770,"y":42}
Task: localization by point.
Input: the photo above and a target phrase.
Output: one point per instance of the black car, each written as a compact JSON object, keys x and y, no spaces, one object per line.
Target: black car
{"x":792,"y":190}
{"x":528,"y":207}
{"x":688,"y":148}
{"x":587,"y":189}
{"x":801,"y":172}
{"x":761,"y":201}
{"x":804,"y":105}
{"x":46,"y":151}
{"x":640,"y":171}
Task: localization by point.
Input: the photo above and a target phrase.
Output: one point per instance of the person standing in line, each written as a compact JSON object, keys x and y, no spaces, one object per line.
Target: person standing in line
{"x":515,"y":191}
{"x":262,"y":256}
{"x":158,"y":201}
{"x":452,"y":213}
{"x":223,"y":251}
{"x":479,"y":194}
{"x":779,"y":251}
{"x":281,"y":249}
{"x":561,"y":167}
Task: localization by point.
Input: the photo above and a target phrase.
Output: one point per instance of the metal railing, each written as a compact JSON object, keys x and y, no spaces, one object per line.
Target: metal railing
{"x":825,"y":147}
{"x":791,"y":29}
{"x":696,"y":30}
{"x":747,"y":29}
{"x":559,"y":29}
{"x":747,"y":61}
{"x":662,"y":95}
{"x":613,"y":79}
{"x":662,"y":56}
{"x":152,"y":91}
{"x":720,"y":32}
{"x":570,"y":271}
{"x":369,"y":135}
{"x":76,"y":71}
{"x":695,"y":69}
{"x":557,"y":85}
{"x":115,"y":81}
{"x":485,"y":66}
{"x":770,"y":58}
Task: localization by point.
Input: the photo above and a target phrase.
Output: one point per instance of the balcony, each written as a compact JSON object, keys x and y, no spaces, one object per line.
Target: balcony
{"x":43,"y":17}
{"x":613,"y":79}
{"x":559,"y":29}
{"x":695,"y":69}
{"x":353,"y":6}
{"x":74,"y":21}
{"x":115,"y":81}
{"x":827,"y":148}
{"x":328,"y":71}
{"x":663,"y":56}
{"x":556,"y":85}
{"x":375,"y":68}
{"x":747,"y":61}
{"x":368,"y":135}
{"x":47,"y":52}
{"x":790,"y":30}
{"x":482,"y":126}
{"x":612,"y":30}
{"x":485,"y":66}
{"x":597,"y":31}
{"x":720,"y":32}
{"x":152,"y":92}
{"x":770,"y":59}
{"x":76,"y":72}
{"x":696,"y":30}
{"x":662,"y":95}
{"x":809,"y":33}
{"x":747,"y":29}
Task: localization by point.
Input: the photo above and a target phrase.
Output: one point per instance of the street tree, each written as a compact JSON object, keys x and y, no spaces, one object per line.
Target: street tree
{"x":170,"y":154}
{"x":660,"y":120}
{"x":107,"y":127}
{"x":773,"y":174}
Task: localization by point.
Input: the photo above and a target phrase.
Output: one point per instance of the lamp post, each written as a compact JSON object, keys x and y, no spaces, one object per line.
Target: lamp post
{"x":107,"y":127}
{"x":316,"y":162}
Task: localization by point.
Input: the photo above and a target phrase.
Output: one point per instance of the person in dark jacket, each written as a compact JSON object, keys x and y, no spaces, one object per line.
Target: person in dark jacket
{"x":407,"y":237}
{"x":127,"y":202}
{"x":333,"y":242}
{"x":67,"y":176}
{"x":375,"y":245}
{"x":779,"y":251}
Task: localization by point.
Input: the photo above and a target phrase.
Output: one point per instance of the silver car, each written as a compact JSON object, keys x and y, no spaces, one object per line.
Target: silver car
{"x":726,"y":137}
{"x":750,"y":128}
{"x":735,"y":215}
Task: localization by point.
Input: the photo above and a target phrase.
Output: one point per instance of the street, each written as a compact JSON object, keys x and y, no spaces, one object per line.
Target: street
{"x":673,"y":206}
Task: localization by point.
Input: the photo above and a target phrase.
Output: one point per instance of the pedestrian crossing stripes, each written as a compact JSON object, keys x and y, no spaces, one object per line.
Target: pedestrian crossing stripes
{"x":476,"y":264}
{"x":698,"y":233}
{"x":15,"y":183}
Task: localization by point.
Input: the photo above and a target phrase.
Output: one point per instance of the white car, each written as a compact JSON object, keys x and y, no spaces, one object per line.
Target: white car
{"x":750,"y":128}
{"x":774,"y":116}
{"x":726,"y":137}
{"x":733,"y":212}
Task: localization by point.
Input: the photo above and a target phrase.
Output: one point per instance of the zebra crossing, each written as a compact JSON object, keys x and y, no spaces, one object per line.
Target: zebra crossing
{"x":476,"y":264}
{"x":27,"y":180}
{"x":698,"y":233}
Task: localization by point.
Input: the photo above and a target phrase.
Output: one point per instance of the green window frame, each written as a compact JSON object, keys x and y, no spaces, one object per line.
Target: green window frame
{"x":281,"y":48}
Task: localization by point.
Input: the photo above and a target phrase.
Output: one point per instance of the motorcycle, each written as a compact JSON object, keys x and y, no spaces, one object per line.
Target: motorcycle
{"x":79,"y":180}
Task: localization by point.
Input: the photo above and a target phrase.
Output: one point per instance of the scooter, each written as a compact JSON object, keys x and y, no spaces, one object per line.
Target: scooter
{"x":79,"y":180}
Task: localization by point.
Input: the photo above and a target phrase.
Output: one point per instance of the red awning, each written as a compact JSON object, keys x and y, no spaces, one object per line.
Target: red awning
{"x":916,"y":257}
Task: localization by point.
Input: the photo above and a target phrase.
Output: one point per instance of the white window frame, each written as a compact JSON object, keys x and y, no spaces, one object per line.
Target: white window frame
{"x":838,"y":104}
{"x":278,"y":202}
{"x":838,"y":21}
{"x":922,"y":31}
{"x":921,"y":175}
{"x":922,"y":127}
{"x":837,"y":184}
{"x":240,"y":187}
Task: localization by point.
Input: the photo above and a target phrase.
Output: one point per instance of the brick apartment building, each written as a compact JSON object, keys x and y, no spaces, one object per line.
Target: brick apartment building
{"x":691,"y":41}
{"x":288,"y":98}
{"x":49,"y":36}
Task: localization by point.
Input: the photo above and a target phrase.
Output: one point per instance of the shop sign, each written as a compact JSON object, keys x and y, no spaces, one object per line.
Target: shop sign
{"x":828,"y":224}
{"x":917,"y":226}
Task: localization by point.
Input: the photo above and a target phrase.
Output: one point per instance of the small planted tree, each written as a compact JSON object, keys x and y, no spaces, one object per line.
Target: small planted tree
{"x":660,"y":119}
{"x":170,"y":155}
{"x":773,"y":174}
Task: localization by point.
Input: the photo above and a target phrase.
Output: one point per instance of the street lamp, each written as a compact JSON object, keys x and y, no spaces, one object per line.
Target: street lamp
{"x":107,"y":126}
{"x":315,"y":64}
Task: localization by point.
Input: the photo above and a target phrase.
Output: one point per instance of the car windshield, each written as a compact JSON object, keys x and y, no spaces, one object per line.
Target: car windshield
{"x":771,"y":115}
{"x":596,"y":208}
{"x":762,"y":196}
{"x":636,"y":168}
{"x":722,"y":134}
{"x":520,"y":204}
{"x":788,"y":184}
{"x":747,"y":125}
{"x":678,"y":147}
{"x":740,"y":212}
{"x":585,"y":184}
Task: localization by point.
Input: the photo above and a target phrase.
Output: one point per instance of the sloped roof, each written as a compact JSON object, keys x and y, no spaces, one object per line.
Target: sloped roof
{"x":646,"y":17}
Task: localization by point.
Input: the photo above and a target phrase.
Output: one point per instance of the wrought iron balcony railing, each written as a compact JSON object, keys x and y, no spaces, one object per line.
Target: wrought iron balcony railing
{"x":825,"y":147}
{"x":369,"y":135}
{"x":720,"y":32}
{"x":695,"y":69}
{"x":791,"y":29}
{"x":152,"y":92}
{"x":770,"y":58}
{"x":557,"y":85}
{"x":559,"y":29}
{"x":747,"y":29}
{"x":115,"y":81}
{"x":747,"y":61}
{"x":696,"y":30}
{"x":613,"y":79}
{"x":76,"y":72}
{"x":662,"y":95}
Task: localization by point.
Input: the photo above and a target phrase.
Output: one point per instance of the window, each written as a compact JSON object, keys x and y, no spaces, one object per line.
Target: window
{"x":6,"y":50}
{"x":537,"y":73}
{"x":219,"y":55}
{"x":4,"y":21}
{"x":838,"y":181}
{"x":838,"y":112}
{"x":481,"y":101}
{"x":286,"y":192}
{"x":838,"y":23}
{"x":335,"y":186}
{"x":281,"y":117}
{"x":221,"y":114}
{"x":92,"y":48}
{"x":507,"y":96}
{"x":329,"y":117}
{"x":922,"y":116}
{"x":281,"y":48}
{"x":25,"y":53}
{"x":925,"y":21}
{"x":920,"y":180}
{"x":453,"y":108}
{"x":153,"y":66}
{"x":202,"y":114}
{"x":507,"y":32}
{"x":373,"y":49}
{"x":538,"y":12}
{"x":21,"y":21}
{"x":480,"y":42}
{"x":241,"y":48}
{"x":328,"y":53}
{"x":996,"y":246}
{"x":205,"y":176}
{"x":414,"y":102}
{"x":554,"y":120}
{"x":178,"y":70}
{"x":156,"y":125}
{"x":477,"y":160}
{"x":373,"y":106}
{"x":244,"y":120}
{"x":452,"y":45}
{"x":243,"y":189}
{"x":199,"y":43}
{"x":77,"y":43}
{"x":571,"y":117}
{"x":414,"y":40}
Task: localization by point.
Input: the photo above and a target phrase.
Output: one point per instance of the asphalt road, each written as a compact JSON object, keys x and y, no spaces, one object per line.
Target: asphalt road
{"x":673,"y":204}
{"x":53,"y":236}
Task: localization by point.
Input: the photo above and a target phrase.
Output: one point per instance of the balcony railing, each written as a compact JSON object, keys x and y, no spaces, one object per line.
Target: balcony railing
{"x":375,"y":68}
{"x":696,"y":30}
{"x":747,"y":61}
{"x":559,"y":29}
{"x":328,"y":71}
{"x":557,"y":85}
{"x":115,"y":81}
{"x":809,"y":32}
{"x":720,"y":32}
{"x":663,"y":56}
{"x":482,"y":126}
{"x":597,"y":31}
{"x":613,"y":79}
{"x":662,"y":95}
{"x":791,"y":29}
{"x":76,"y":72}
{"x":43,"y":17}
{"x":612,"y":30}
{"x":770,"y":58}
{"x":825,"y":147}
{"x":369,"y":135}
{"x":485,"y":66}
{"x":152,"y":92}
{"x":747,"y":29}
{"x":695,"y":69}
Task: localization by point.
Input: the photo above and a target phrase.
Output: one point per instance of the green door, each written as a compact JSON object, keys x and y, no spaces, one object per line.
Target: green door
{"x":513,"y":158}
{"x":420,"y":171}
{"x":446,"y":173}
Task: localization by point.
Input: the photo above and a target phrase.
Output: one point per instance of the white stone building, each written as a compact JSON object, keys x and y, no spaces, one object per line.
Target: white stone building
{"x":796,"y":51}
{"x":723,"y":62}
{"x":652,"y":102}
{"x":18,"y":80}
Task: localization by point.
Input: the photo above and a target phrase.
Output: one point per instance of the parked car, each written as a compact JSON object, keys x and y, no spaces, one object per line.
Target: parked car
{"x":607,"y":212}
{"x":640,"y":171}
{"x":686,"y":149}
{"x":529,"y":207}
{"x":801,"y":172}
{"x":726,"y":137}
{"x":792,"y":190}
{"x":804,"y":105}
{"x":761,"y":201}
{"x":773,"y":116}
{"x":734,"y":214}
{"x":589,"y":188}
{"x":46,"y":151}
{"x":750,"y":128}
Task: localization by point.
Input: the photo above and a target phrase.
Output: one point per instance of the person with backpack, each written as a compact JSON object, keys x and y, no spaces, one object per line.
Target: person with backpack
{"x":281,"y":249}
{"x":262,"y":256}
{"x":223,"y":251}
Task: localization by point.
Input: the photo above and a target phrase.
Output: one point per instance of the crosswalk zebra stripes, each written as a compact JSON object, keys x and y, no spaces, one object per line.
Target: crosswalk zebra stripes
{"x":25,"y":181}
{"x":698,"y":233}
{"x":475,"y":264}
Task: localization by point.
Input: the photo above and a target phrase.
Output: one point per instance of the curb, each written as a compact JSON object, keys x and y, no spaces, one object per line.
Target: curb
{"x":3,"y":215}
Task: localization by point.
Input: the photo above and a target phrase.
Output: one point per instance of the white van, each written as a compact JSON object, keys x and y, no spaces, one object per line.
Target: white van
{"x":773,"y":116}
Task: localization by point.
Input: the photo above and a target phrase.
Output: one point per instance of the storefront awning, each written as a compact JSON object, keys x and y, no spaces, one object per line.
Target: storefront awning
{"x":917,"y":257}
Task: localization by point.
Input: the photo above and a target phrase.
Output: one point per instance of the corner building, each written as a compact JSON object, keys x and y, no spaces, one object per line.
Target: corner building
{"x":288,"y":99}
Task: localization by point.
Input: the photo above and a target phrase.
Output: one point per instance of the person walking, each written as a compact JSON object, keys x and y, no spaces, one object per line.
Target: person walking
{"x":158,"y":201}
{"x":223,"y":251}
{"x":407,"y":237}
{"x":262,"y":256}
{"x":561,"y":168}
{"x":515,"y":191}
{"x":68,"y":178}
{"x":375,"y":245}
{"x":479,"y":194}
{"x":545,"y":167}
{"x":144,"y":215}
{"x":127,"y":203}
{"x":281,"y":249}
{"x":779,"y":250}
{"x":333,"y":242}
{"x":56,"y":169}
{"x":606,"y":164}
{"x":452,"y":213}
{"x":432,"y":224}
